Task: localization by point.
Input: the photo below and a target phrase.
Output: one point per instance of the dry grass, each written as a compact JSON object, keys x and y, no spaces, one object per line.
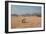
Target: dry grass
{"x":30,"y":21}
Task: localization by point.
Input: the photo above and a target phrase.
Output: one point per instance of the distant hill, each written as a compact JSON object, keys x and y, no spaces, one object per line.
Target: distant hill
{"x":26,"y":15}
{"x":14,"y":15}
{"x":34,"y":14}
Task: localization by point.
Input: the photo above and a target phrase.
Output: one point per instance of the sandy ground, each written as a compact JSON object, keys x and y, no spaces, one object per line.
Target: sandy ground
{"x":28,"y":22}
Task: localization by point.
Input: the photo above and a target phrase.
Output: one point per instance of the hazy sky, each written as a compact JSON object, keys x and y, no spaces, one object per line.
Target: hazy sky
{"x":18,"y":9}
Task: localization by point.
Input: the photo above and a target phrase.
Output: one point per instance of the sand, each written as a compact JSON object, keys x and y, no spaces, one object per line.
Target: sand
{"x":28,"y":22}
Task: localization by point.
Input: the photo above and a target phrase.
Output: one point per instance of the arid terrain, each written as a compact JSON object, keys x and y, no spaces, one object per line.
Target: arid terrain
{"x":25,"y":21}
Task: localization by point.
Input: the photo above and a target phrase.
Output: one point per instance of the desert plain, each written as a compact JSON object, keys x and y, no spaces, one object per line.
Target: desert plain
{"x":25,"y":21}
